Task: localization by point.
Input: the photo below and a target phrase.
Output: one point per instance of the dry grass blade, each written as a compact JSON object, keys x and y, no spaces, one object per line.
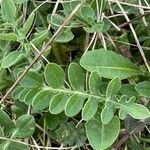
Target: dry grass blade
{"x":129,"y":4}
{"x":35,"y":146}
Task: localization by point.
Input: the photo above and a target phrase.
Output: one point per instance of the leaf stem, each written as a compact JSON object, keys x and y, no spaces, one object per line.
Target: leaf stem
{"x":71,"y":92}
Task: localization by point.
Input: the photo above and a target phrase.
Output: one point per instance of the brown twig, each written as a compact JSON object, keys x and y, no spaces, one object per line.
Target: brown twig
{"x":128,"y":22}
{"x":124,"y":138}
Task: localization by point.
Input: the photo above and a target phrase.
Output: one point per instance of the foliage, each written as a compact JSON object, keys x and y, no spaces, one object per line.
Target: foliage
{"x":74,"y":74}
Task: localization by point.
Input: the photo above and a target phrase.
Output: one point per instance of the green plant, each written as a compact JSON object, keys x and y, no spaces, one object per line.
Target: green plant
{"x":89,"y":96}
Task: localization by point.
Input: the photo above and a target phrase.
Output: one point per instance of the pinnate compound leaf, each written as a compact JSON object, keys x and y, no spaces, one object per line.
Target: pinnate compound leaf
{"x":143,"y":88}
{"x":89,"y":109}
{"x":8,"y":10}
{"x":25,"y":126}
{"x":42,"y":99}
{"x":113,"y":87}
{"x":102,"y":136}
{"x":31,"y":80}
{"x":74,"y":105}
{"x":76,"y":76}
{"x":12,"y":58}
{"x":57,"y":104}
{"x":108,"y":64}
{"x":54,"y":75}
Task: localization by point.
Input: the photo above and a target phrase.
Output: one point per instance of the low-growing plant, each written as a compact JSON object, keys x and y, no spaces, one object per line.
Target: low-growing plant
{"x":61,"y":87}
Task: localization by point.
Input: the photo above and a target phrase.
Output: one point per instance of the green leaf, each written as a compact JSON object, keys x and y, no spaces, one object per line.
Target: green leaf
{"x":108,"y":64}
{"x":102,"y":136}
{"x":8,"y":36}
{"x":107,"y":113}
{"x":19,"y":108}
{"x":76,"y":76}
{"x":56,"y":20}
{"x":70,"y":6}
{"x":52,"y":121}
{"x":113,"y":87}
{"x":4,"y":84}
{"x":137,"y":111}
{"x":31,"y":80}
{"x":64,"y":36}
{"x":28,"y":23}
{"x":15,"y":145}
{"x":74,"y":105}
{"x":42,"y":99}
{"x":128,"y":9}
{"x":19,"y":1}
{"x":54,"y":75}
{"x":69,"y":134}
{"x":135,"y":144}
{"x":95,"y":82}
{"x":16,"y":93}
{"x":143,"y":88}
{"x":5,"y":121}
{"x":12,"y":58}
{"x":25,"y":126}
{"x":40,"y":37}
{"x":22,"y":94}
{"x":107,"y":25}
{"x":28,"y":99}
{"x":1,"y":132}
{"x":122,"y":114}
{"x":141,"y":111}
{"x":129,"y":90}
{"x":87,"y":12}
{"x":4,"y":145}
{"x":8,"y":10}
{"x":89,"y":109}
{"x":97,"y":27}
{"x":57,"y":103}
